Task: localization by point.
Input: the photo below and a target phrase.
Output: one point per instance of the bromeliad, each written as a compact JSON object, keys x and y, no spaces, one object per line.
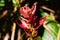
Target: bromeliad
{"x":29,"y":21}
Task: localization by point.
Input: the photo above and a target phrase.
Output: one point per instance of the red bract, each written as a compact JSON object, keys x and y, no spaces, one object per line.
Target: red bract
{"x":34,"y":23}
{"x":29,"y":20}
{"x":40,"y":22}
{"x":27,"y":26}
{"x":29,"y":17}
{"x":26,"y":12}
{"x":23,"y":24}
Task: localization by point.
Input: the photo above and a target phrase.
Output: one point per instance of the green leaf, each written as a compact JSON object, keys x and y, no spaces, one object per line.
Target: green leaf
{"x":48,"y":36}
{"x":58,"y":37}
{"x":51,"y":28}
{"x":38,"y":38}
{"x":2,"y":3}
{"x":44,"y":14}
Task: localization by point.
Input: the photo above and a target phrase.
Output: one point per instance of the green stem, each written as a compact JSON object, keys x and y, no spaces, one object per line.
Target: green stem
{"x":30,"y":38}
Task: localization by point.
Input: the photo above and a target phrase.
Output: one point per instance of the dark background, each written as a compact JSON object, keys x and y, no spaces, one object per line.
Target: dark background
{"x":6,"y":22}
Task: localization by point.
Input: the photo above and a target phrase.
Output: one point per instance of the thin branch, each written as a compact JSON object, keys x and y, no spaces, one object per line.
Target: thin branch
{"x":6,"y":37}
{"x":19,"y":35}
{"x":0,"y":35}
{"x":13,"y":31}
{"x":48,"y":9}
{"x":3,"y":14}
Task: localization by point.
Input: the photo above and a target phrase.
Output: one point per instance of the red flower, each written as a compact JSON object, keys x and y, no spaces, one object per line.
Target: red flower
{"x":27,"y":25}
{"x":26,"y":12}
{"x":29,"y":19}
{"x":34,"y":24}
{"x":40,"y":22}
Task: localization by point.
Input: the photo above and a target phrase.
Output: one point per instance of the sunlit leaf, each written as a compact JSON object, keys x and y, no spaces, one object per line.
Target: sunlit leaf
{"x":2,"y":3}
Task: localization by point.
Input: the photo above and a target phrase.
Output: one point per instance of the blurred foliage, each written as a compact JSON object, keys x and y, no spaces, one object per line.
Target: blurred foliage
{"x":2,"y":3}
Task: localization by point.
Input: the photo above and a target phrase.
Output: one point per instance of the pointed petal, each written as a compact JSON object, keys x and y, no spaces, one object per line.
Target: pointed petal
{"x":34,"y":8}
{"x":22,"y":26}
{"x":41,"y":21}
{"x":24,"y":23}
